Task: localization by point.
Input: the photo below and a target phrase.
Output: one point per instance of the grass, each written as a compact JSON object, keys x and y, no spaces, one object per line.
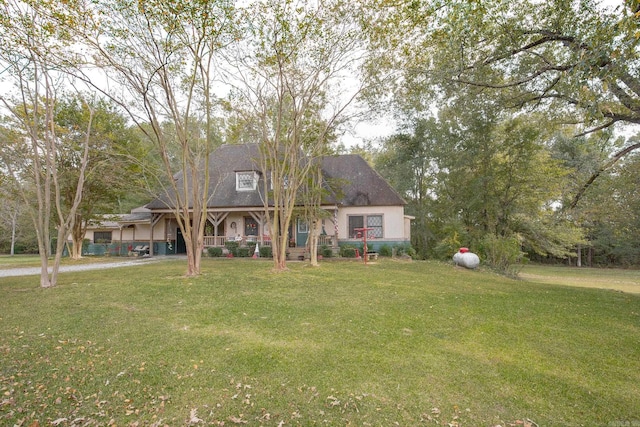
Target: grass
{"x":618,"y":279}
{"x":25,"y":261}
{"x":390,"y":343}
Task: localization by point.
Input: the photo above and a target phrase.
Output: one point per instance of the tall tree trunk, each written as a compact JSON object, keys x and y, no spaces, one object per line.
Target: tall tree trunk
{"x":313,"y":242}
{"x":77,"y":237}
{"x":14,"y":221}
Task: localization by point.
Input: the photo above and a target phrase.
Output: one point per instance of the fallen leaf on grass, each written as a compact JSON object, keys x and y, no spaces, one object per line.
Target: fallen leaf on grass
{"x":237,"y":420}
{"x":193,"y":417}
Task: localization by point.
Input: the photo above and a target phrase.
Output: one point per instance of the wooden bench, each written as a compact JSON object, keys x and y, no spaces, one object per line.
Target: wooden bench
{"x":371,"y":255}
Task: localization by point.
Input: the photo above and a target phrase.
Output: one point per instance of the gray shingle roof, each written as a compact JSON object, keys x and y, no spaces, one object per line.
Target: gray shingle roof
{"x":360,"y":184}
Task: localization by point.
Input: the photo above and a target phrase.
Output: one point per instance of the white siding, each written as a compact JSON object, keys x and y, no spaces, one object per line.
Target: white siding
{"x":393,"y":220}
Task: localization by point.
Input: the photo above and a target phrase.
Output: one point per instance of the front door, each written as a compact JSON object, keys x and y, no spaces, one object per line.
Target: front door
{"x":250,"y":226}
{"x":181,"y":246}
{"x":302,"y":232}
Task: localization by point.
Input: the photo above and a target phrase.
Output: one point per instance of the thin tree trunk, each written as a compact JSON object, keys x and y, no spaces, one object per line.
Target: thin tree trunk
{"x":14,"y":220}
{"x":313,"y":243}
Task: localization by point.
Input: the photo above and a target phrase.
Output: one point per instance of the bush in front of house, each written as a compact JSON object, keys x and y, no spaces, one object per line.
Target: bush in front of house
{"x":266,"y":252}
{"x":347,"y":251}
{"x":232,"y":247}
{"x":325,"y":251}
{"x":214,"y":252}
{"x":244,"y":252}
{"x":385,"y":250}
{"x":405,"y":249}
{"x":252,"y":248}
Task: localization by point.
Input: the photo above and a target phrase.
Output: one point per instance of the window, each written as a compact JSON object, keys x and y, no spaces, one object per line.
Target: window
{"x":355,"y":222}
{"x":102,"y":237}
{"x":303,"y":226}
{"x":246,"y":181}
{"x":374,"y":222}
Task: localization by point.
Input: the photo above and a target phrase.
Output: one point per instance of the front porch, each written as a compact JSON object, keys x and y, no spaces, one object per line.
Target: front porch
{"x":243,"y":240}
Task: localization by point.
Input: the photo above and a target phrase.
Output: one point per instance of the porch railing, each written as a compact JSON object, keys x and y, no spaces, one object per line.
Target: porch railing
{"x":214,"y":241}
{"x":221,"y":240}
{"x":325,"y":240}
{"x":210,"y":241}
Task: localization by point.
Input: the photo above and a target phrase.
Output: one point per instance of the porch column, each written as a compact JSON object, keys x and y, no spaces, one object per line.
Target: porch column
{"x":216,"y":219}
{"x":120,"y":227}
{"x":155,"y":218}
{"x":335,"y":227}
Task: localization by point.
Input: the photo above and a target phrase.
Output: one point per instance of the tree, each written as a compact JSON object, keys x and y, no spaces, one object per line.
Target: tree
{"x":576,"y":61}
{"x":10,"y":210}
{"x":608,"y":208}
{"x":576,"y":57}
{"x":290,"y":75}
{"x":408,"y":161}
{"x":115,"y":156}
{"x":32,"y":54}
{"x":474,"y":172}
{"x":163,"y":55}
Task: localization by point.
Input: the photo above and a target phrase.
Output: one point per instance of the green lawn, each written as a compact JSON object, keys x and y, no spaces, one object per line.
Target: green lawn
{"x":389,"y":343}
{"x":19,"y":261}
{"x":583,"y":277}
{"x":24,"y":261}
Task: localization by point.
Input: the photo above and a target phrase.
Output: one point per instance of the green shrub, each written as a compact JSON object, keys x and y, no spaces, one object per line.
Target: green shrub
{"x":503,"y":254}
{"x":232,"y":247}
{"x":325,"y":251}
{"x":266,"y":252}
{"x":405,"y":249}
{"x":347,"y":251}
{"x":214,"y":252}
{"x":244,"y":252}
{"x":385,"y":250}
{"x":448,"y":246}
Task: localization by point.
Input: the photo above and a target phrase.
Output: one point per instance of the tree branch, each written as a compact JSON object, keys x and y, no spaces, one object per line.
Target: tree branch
{"x":616,"y":157}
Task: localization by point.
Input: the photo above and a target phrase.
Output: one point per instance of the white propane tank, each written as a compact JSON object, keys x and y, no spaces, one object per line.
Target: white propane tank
{"x":466,"y":259}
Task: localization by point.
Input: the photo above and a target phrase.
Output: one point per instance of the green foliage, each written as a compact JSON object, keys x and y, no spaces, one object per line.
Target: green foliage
{"x":232,"y":247}
{"x":325,"y":251}
{"x":266,"y":252}
{"x":503,"y":254}
{"x":405,"y":249}
{"x":449,"y":245}
{"x":348,"y":251}
{"x":568,"y":59}
{"x":385,"y":250}
{"x":244,"y":252}
{"x":116,"y":154}
{"x":215,"y":251}
{"x":252,"y":247}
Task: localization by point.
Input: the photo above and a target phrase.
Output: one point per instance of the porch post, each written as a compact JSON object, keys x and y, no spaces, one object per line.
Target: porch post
{"x":335,"y":227}
{"x":216,"y":219}
{"x":151,"y":237}
{"x":120,"y":227}
{"x":154,"y":220}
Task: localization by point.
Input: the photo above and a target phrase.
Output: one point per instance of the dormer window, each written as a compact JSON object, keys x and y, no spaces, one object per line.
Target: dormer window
{"x":246,"y":181}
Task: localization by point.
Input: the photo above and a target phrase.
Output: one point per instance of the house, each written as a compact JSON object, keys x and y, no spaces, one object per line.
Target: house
{"x":236,"y":209}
